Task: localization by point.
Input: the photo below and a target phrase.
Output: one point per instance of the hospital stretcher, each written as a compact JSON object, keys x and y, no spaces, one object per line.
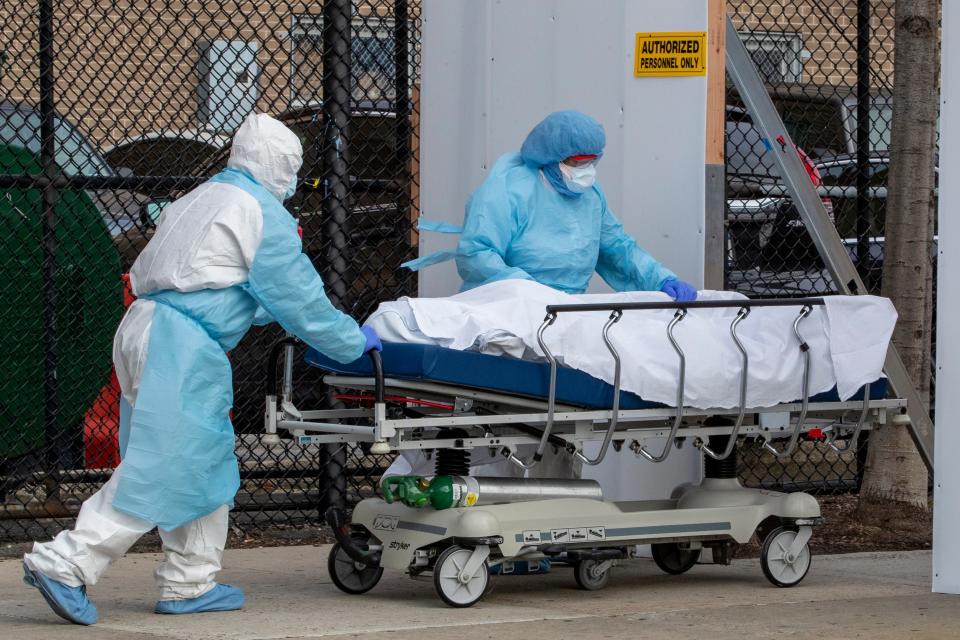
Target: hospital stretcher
{"x":446,"y":402}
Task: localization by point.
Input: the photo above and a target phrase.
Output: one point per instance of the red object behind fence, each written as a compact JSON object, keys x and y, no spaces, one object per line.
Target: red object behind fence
{"x":101,"y":423}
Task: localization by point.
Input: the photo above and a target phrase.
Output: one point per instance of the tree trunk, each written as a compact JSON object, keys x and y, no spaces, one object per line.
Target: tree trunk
{"x":894,"y":469}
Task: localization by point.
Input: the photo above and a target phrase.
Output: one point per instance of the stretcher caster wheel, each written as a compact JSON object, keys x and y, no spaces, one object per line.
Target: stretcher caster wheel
{"x":454,"y":588}
{"x":349,"y":575}
{"x":781,"y":567}
{"x":672,"y":559}
{"x":591,"y":575}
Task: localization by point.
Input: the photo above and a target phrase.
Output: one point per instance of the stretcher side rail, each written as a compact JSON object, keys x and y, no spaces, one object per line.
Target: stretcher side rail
{"x":555,"y":309}
{"x":616,"y":310}
{"x":274,"y":416}
{"x":636,"y":424}
{"x":744,"y":371}
{"x":517,"y":405}
{"x":805,"y":350}
{"x":575,"y":425}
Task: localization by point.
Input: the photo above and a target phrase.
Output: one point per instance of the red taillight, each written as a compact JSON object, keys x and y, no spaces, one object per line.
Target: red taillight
{"x":811,"y":168}
{"x":808,"y":163}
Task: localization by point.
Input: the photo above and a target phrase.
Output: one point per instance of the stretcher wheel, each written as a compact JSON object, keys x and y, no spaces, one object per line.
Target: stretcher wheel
{"x":588,"y":575}
{"x":672,"y":559}
{"x":779,"y":568}
{"x":349,"y":575}
{"x":447,"y":580}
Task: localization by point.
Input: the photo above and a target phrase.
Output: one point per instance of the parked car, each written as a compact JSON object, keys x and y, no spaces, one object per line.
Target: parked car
{"x":823,"y":119}
{"x":755,"y":204}
{"x":122,"y":210}
{"x":769,"y":251}
{"x":167,"y":153}
{"x":767,"y":236}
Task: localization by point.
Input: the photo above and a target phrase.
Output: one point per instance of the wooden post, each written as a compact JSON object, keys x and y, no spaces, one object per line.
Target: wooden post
{"x":715,"y":184}
{"x":716,"y":80}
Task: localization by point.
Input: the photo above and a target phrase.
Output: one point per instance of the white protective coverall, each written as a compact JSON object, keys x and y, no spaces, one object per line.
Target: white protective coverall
{"x":223,"y":253}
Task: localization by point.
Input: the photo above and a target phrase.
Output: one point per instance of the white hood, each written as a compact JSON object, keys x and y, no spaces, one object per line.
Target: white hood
{"x":270,"y":152}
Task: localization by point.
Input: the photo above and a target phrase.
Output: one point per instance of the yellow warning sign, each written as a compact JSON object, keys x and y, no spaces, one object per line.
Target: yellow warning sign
{"x":671,"y":54}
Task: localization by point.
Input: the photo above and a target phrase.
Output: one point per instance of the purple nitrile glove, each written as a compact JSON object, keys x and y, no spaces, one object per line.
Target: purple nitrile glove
{"x":373,"y":340}
{"x":679,"y":290}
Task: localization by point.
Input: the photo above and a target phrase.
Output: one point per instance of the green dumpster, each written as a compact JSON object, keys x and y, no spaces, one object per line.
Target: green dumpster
{"x":88,"y":308}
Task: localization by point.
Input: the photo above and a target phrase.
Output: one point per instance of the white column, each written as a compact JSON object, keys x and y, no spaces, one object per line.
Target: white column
{"x":946,"y":497}
{"x":492,"y":70}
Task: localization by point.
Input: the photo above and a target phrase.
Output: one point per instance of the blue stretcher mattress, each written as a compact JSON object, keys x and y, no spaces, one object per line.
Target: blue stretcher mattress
{"x":429,"y":363}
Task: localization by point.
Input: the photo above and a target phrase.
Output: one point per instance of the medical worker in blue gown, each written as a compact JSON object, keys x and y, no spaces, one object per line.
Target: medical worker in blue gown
{"x":223,"y":253}
{"x":540,"y":215}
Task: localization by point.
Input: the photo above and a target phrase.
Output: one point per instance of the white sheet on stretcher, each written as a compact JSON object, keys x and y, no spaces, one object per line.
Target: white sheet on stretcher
{"x":848,"y":339}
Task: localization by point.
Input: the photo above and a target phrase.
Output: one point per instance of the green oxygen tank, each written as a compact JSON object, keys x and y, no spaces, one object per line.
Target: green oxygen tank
{"x":88,"y":307}
{"x":440,"y":492}
{"x":445,"y":492}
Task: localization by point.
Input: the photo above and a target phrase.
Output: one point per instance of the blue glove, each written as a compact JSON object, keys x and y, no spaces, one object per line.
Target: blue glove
{"x":679,"y":290}
{"x":373,"y":340}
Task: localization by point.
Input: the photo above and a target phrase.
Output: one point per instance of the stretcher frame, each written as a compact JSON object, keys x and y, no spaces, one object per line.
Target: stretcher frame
{"x":492,"y":417}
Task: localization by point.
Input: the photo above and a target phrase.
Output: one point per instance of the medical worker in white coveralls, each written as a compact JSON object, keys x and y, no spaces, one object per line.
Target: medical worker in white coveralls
{"x":223,"y":253}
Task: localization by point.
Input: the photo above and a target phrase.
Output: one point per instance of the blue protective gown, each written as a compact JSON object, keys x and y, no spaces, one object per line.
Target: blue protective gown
{"x":519,"y":226}
{"x":523,"y":221}
{"x":177,"y":439}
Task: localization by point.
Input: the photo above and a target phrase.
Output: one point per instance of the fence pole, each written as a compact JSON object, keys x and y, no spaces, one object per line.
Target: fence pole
{"x":864,"y":214}
{"x":49,"y":239}
{"x":337,"y":97}
{"x":401,"y":71}
{"x":404,"y":130}
{"x":336,"y":131}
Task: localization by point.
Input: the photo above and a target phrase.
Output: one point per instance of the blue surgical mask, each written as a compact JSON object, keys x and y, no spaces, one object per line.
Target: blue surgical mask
{"x":579,"y":179}
{"x":292,"y":189}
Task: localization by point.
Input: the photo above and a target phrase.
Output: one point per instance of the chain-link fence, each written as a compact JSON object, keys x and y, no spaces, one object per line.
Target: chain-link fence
{"x":111,"y":109}
{"x":829,"y":70}
{"x":828,"y":65}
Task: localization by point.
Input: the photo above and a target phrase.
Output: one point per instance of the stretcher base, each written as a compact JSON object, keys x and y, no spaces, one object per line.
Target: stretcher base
{"x":456,"y":545}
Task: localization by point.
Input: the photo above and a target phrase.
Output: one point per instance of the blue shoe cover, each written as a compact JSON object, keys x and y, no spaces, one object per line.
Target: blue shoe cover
{"x":70,"y":603}
{"x":520,"y":568}
{"x":222,"y":597}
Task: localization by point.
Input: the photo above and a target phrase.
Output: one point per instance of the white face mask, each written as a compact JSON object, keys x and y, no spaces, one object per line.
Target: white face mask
{"x":579,"y":179}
